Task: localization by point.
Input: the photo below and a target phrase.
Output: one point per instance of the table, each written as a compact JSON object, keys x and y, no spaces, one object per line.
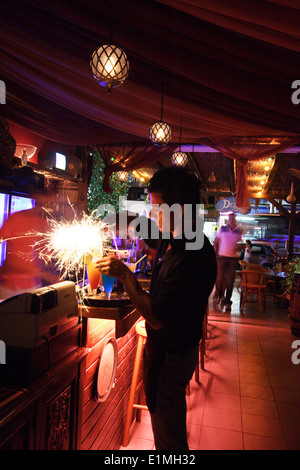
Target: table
{"x":278,"y":279}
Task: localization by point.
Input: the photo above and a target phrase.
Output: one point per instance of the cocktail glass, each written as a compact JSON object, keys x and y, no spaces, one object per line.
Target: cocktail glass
{"x":131,"y":266}
{"x":108,"y":284}
{"x":93,"y":275}
{"x":101,"y":283}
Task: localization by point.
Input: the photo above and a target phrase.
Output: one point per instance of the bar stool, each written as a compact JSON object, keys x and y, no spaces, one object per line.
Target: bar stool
{"x":202,"y":348}
{"x":142,"y":335}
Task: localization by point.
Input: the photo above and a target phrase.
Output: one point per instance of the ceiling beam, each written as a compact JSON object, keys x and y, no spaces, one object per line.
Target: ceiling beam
{"x":204,"y":148}
{"x":195,"y":167}
{"x":278,"y":206}
{"x":216,"y":193}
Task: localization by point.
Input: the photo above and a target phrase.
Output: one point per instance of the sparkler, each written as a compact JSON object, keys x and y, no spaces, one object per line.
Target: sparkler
{"x":72,"y":244}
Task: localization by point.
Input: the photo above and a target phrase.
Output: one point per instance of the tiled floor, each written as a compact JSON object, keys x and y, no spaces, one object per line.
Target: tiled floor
{"x":249,"y":395}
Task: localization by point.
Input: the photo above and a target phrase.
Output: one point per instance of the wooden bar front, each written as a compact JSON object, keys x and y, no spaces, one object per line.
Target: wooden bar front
{"x":101,"y":425}
{"x":59,"y":410}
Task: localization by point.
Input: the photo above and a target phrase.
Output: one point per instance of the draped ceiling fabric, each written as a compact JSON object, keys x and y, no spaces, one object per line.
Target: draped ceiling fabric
{"x":129,"y":157}
{"x":243,"y":150}
{"x":227,"y":69}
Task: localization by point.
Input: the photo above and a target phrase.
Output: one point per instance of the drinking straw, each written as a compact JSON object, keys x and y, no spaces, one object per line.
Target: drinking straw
{"x":137,"y":262}
{"x":115,"y":243}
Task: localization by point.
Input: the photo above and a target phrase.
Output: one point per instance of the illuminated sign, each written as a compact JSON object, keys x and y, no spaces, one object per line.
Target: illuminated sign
{"x":226,"y":205}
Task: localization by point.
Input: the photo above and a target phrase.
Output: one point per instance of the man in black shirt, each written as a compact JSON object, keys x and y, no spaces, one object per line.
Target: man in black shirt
{"x":183,"y":277}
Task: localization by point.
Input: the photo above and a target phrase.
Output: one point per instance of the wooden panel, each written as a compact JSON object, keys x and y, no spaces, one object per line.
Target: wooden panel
{"x":124,"y":325}
{"x":123,"y":379}
{"x":124,"y":318}
{"x":57,"y":413}
{"x":111,"y":313}
{"x":101,"y":424}
{"x":124,"y":368}
{"x":44,"y":415}
{"x":95,"y":330}
{"x":18,"y":434}
{"x":59,"y":421}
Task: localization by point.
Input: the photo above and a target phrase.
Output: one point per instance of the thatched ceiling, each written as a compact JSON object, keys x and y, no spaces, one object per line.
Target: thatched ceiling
{"x":277,"y":179}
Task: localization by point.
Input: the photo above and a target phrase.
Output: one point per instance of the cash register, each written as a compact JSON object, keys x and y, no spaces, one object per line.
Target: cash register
{"x":38,"y":328}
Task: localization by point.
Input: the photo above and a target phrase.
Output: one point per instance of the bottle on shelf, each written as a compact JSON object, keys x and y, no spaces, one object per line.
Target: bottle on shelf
{"x":24,"y":158}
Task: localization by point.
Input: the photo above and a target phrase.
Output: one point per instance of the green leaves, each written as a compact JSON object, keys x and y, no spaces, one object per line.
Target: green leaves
{"x":96,"y":194}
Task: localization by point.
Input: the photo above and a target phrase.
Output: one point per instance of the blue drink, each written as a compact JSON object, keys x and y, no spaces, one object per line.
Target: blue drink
{"x":108,"y":284}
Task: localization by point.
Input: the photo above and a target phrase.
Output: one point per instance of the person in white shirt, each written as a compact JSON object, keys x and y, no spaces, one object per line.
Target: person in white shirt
{"x":248,"y":251}
{"x":225,"y":245}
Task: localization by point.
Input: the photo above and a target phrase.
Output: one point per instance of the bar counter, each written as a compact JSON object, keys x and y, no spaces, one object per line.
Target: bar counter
{"x":65,"y":408}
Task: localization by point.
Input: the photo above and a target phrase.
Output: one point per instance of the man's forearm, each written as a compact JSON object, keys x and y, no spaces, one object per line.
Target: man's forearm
{"x":114,"y":267}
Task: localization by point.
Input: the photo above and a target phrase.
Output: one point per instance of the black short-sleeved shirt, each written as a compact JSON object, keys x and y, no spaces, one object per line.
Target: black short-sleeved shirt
{"x":181,"y":283}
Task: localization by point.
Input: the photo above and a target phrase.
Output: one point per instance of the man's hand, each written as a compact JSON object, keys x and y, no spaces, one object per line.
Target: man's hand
{"x":112,"y":266}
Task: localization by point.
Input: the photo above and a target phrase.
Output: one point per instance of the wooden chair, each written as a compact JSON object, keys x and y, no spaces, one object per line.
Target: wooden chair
{"x":243,"y":263}
{"x":270,"y":282}
{"x":253,"y":283}
{"x":256,"y":267}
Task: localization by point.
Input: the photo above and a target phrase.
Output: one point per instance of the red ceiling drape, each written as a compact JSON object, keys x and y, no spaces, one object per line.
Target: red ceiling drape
{"x":227,"y":68}
{"x":244,"y":149}
{"x":117,"y":158}
{"x":273,"y":21}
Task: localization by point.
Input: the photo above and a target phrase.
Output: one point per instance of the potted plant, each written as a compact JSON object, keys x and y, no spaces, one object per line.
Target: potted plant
{"x":292,"y":268}
{"x":293,"y":287}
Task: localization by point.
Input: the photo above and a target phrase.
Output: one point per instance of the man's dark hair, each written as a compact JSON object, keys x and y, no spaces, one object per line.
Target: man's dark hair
{"x":176,"y":186}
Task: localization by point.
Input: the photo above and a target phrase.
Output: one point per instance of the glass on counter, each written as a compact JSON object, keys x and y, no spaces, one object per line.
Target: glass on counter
{"x":108,"y":284}
{"x":94,"y":275}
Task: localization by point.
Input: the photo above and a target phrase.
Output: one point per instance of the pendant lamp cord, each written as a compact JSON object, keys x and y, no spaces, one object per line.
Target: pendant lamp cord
{"x":162,"y":102}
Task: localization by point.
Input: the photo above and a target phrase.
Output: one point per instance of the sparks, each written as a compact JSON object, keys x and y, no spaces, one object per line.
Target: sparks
{"x":70,"y":244}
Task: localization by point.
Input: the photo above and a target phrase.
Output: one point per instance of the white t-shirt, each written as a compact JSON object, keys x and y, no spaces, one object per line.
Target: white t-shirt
{"x":228,"y":240}
{"x":247,"y":254}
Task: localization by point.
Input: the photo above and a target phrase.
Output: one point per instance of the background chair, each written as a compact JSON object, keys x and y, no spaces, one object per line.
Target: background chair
{"x":256,"y":267}
{"x":243,"y":263}
{"x":271,"y":284}
{"x":253,"y":283}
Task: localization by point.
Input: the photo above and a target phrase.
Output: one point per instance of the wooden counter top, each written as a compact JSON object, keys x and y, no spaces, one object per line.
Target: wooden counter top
{"x":98,"y":306}
{"x":118,"y":308}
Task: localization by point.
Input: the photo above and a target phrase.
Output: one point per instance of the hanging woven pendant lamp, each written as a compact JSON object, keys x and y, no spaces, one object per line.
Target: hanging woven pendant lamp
{"x":122,"y":176}
{"x":179,"y":158}
{"x":160,"y":132}
{"x":109,"y":66}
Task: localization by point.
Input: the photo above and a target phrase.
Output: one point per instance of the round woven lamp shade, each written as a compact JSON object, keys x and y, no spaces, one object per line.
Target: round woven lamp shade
{"x":179,"y":158}
{"x":160,"y":133}
{"x":109,"y":66}
{"x":122,"y":176}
